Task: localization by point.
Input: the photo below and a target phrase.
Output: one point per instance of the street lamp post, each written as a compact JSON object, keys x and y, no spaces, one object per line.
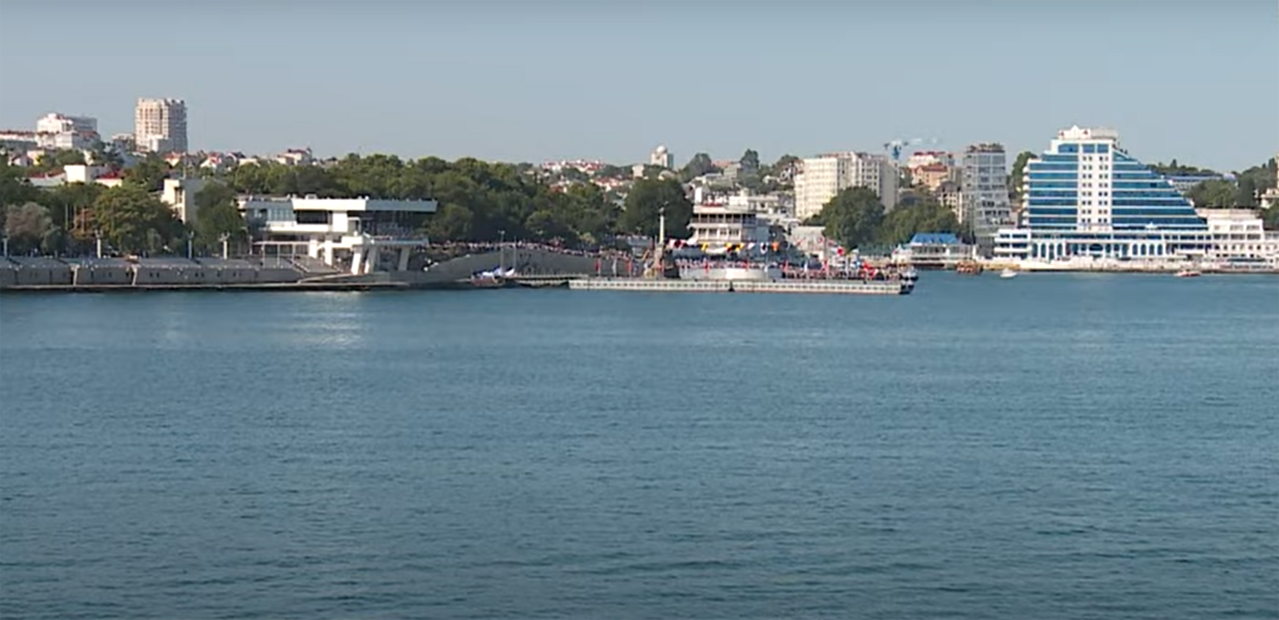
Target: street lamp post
{"x":501,"y":249}
{"x":190,"y":245}
{"x":97,"y":237}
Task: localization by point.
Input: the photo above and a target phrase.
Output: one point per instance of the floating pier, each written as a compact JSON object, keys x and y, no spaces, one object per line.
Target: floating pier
{"x":830,"y":287}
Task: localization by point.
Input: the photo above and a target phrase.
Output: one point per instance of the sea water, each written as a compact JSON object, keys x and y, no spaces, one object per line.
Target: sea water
{"x":1051,"y":446}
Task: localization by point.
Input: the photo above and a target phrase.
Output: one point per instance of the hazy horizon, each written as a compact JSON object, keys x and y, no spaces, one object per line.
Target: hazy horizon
{"x":609,"y":80}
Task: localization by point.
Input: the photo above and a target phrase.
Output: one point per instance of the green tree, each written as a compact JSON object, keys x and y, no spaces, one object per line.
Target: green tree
{"x":853,"y":217}
{"x":1173,"y":168}
{"x":783,"y":163}
{"x":58,"y":159}
{"x":217,"y":214}
{"x":1213,"y":194}
{"x":1015,"y":181}
{"x":588,"y":212}
{"x":548,"y":224}
{"x":924,"y":216}
{"x":1253,"y":182}
{"x":15,"y":189}
{"x":453,"y":222}
{"x":749,"y":160}
{"x":1270,"y":218}
{"x":699,"y":165}
{"x":134,"y":221}
{"x":148,"y":173}
{"x":477,"y":199}
{"x":27,"y":227}
{"x":646,"y":200}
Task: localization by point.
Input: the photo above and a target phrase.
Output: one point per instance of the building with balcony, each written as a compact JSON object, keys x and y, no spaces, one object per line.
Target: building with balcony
{"x":160,"y":126}
{"x":824,"y":176}
{"x":715,"y":228}
{"x":359,"y":235}
{"x":1088,"y":198}
{"x":984,"y":203}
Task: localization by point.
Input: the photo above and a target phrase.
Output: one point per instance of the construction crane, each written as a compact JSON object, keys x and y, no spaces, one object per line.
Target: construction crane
{"x":895,"y":147}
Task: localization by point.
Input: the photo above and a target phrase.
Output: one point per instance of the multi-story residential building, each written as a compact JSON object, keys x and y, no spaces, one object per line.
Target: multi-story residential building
{"x":160,"y":126}
{"x":951,"y":195}
{"x":824,"y":176}
{"x":933,"y":175}
{"x":984,"y":205}
{"x":179,"y":195}
{"x":1086,"y":197}
{"x":62,"y":132}
{"x":662,"y":158}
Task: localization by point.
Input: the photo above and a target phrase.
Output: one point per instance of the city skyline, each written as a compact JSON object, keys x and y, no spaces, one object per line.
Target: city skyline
{"x":565,"y":80}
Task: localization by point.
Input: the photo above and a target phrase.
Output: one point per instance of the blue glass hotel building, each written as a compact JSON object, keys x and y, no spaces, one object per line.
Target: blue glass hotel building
{"x":1086,"y":197}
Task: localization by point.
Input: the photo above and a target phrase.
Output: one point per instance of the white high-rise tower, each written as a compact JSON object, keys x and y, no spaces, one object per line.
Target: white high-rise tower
{"x":160,"y":125}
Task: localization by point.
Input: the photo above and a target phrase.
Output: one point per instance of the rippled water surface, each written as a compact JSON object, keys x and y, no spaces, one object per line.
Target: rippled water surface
{"x":1055,"y":446}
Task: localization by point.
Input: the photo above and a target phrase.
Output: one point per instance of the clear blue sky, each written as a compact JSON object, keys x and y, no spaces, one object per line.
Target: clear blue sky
{"x":531,"y":80}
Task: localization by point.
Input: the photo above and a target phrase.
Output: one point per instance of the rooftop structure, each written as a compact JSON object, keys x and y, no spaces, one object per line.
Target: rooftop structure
{"x":346,"y":233}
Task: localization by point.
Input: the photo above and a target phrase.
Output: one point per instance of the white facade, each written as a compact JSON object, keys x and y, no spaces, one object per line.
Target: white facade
{"x":296,"y":157}
{"x":769,"y":205}
{"x":984,"y":203}
{"x":824,"y":176}
{"x":179,"y":194}
{"x":716,"y":227}
{"x":1086,"y":200}
{"x":15,"y":142}
{"x":337,"y":230}
{"x":662,"y":158}
{"x":1238,"y":233}
{"x":62,"y":132}
{"x":160,"y":125}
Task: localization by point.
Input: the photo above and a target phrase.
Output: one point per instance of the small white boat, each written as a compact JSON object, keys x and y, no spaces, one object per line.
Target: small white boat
{"x":1189,"y":273}
{"x":1008,"y":273}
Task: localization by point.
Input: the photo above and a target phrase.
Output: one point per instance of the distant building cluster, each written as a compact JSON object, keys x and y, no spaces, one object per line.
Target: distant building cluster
{"x":1075,"y":199}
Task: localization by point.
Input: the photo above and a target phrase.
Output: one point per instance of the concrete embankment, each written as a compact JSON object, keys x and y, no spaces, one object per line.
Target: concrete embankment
{"x":41,"y":274}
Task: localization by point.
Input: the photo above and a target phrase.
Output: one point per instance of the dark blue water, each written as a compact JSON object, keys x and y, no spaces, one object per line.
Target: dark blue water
{"x":1046,"y":447}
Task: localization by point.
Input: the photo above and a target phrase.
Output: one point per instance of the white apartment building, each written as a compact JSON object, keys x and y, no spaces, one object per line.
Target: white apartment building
{"x":59,"y":131}
{"x":662,"y":158}
{"x":179,"y":195}
{"x":160,"y":126}
{"x":984,"y":203}
{"x":826,"y":175}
